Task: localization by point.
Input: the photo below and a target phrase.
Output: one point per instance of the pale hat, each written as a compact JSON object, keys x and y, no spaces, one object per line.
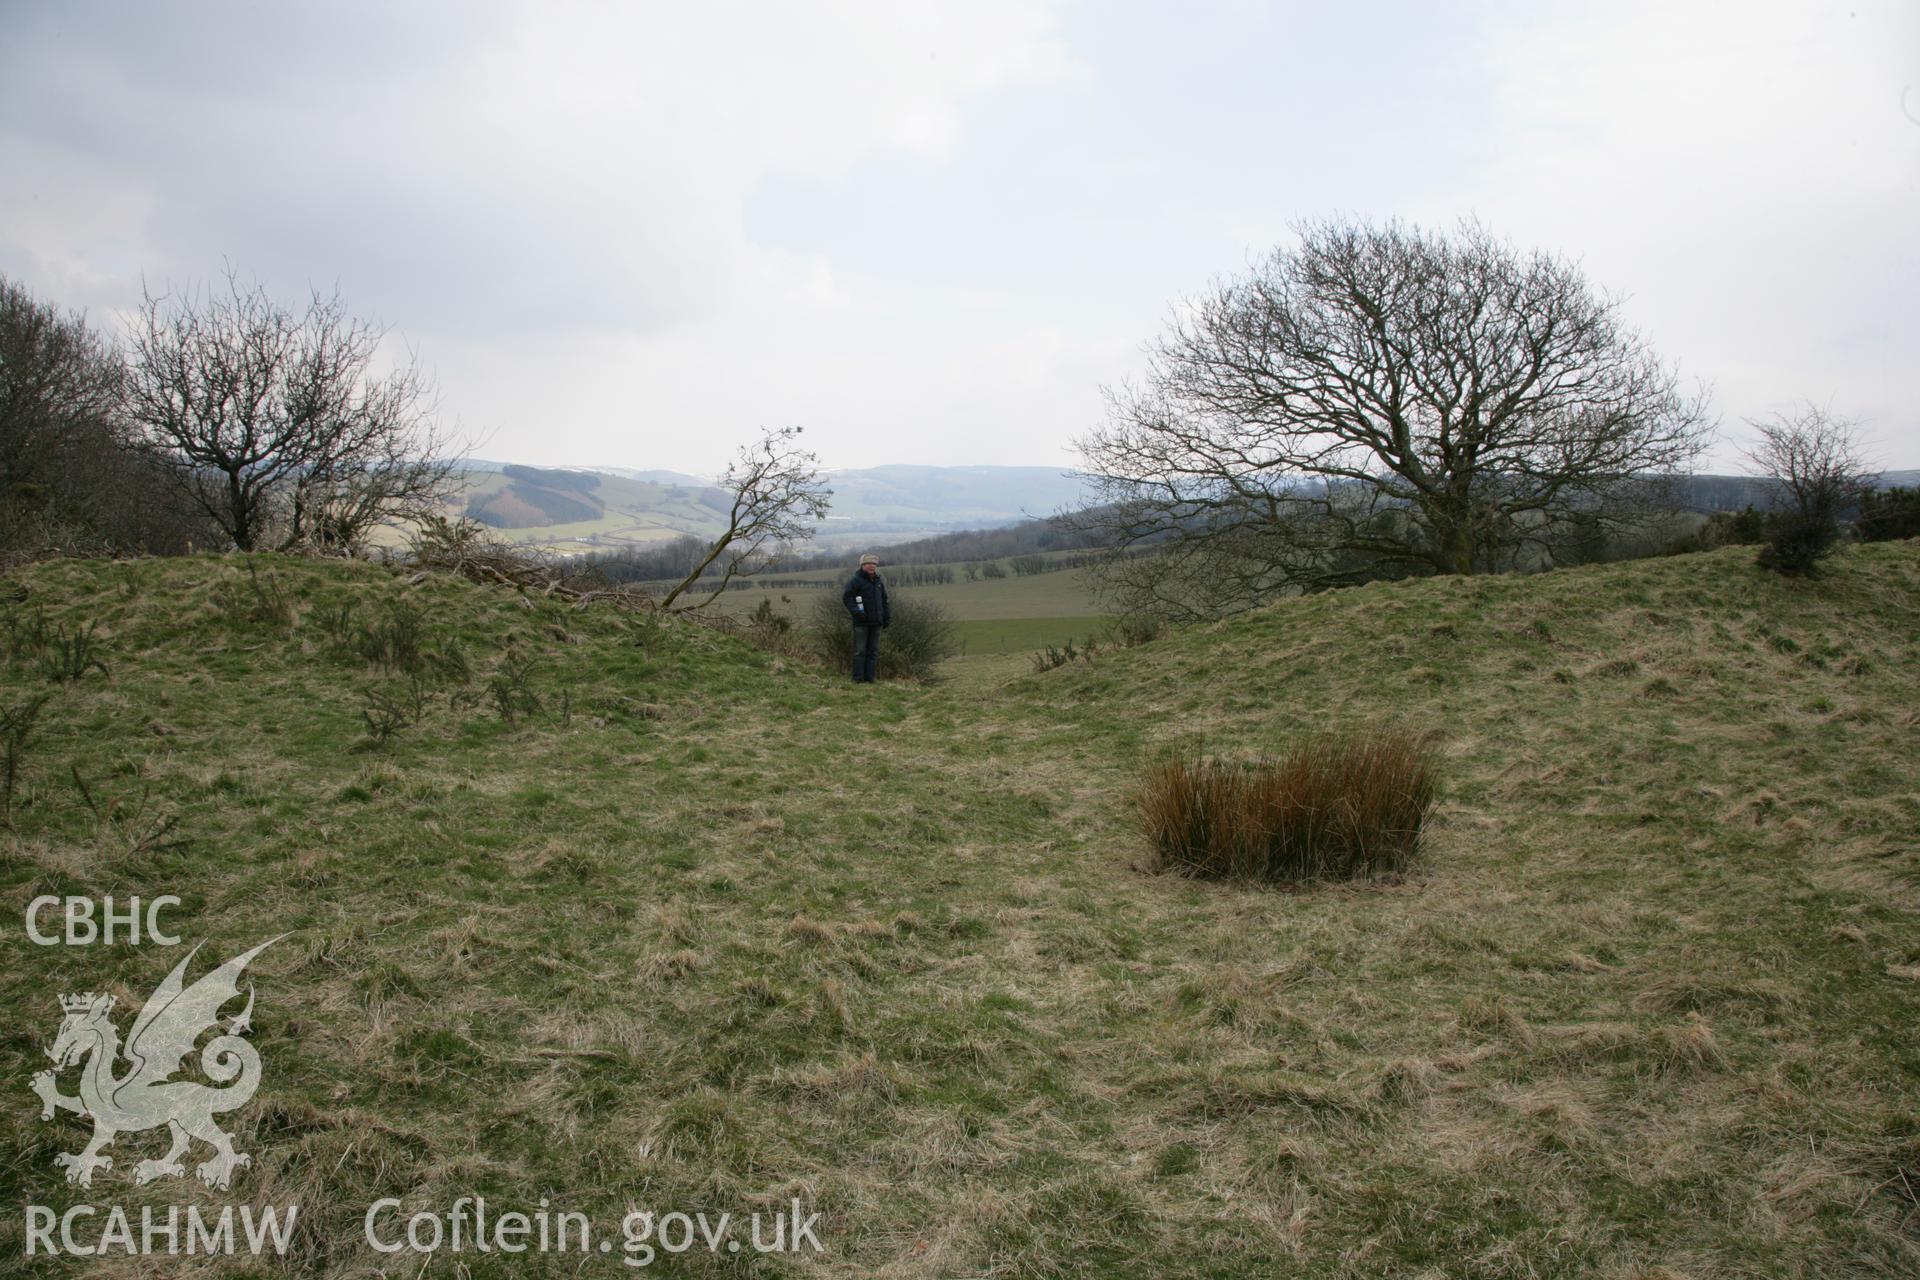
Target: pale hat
{"x":869,"y":558}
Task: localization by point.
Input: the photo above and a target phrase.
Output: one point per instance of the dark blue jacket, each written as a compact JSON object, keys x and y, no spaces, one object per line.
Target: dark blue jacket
{"x":866,"y":600}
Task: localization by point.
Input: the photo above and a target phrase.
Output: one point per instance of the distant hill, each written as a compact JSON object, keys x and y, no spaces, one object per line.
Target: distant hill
{"x":910,"y":498}
{"x":574,"y":510}
{"x":600,"y":509}
{"x":531,"y":497}
{"x":1709,"y":493}
{"x":655,"y":477}
{"x":582,"y":509}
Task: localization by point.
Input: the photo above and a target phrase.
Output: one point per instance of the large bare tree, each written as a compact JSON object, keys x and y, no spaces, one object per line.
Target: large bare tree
{"x":279,"y":422}
{"x":778,"y":495}
{"x":1378,"y":401}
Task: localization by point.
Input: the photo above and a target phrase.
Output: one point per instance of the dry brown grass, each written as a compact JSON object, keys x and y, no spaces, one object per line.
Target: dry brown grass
{"x":1331,"y":807}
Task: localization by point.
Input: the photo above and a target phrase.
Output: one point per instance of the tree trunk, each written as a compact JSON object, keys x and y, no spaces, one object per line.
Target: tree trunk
{"x":719,"y":545}
{"x":1450,"y":541}
{"x":239,"y":505}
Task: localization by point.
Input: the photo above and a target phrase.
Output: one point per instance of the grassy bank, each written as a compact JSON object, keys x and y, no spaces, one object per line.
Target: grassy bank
{"x":700,"y":929}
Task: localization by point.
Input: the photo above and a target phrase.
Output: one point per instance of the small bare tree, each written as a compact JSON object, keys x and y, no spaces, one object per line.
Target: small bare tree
{"x":1377,"y":401}
{"x":1817,"y":461}
{"x":778,"y":496}
{"x":277,"y":423}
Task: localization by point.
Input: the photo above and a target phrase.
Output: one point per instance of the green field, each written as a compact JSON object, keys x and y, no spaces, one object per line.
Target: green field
{"x":622,"y":912}
{"x":1060,"y":594}
{"x":989,"y":636}
{"x":993,"y":618}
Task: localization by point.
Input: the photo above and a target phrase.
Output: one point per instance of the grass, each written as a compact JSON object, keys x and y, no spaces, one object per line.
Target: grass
{"x":711,"y":931}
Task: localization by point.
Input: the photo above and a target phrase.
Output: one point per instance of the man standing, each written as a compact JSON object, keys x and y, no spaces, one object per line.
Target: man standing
{"x":866,"y":601}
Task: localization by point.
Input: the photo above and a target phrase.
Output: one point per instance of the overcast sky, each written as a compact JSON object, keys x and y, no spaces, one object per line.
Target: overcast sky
{"x":632,"y":234}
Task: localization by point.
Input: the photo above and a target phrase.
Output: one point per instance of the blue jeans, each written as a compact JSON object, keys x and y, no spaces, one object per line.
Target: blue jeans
{"x":866,"y":652}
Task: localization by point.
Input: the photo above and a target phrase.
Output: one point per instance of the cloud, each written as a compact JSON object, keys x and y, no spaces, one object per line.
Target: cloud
{"x":1744,"y":174}
{"x":510,"y":184}
{"x":506,"y":169}
{"x":930,"y":232}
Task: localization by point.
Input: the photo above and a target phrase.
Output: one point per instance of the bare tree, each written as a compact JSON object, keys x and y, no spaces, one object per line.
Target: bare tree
{"x":1817,"y":461}
{"x":1378,"y":401}
{"x":276,"y":422}
{"x":778,"y":496}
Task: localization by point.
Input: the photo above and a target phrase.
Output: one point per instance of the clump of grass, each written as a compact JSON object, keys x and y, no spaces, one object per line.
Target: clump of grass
{"x":1408,"y":1080}
{"x":1494,"y":1017}
{"x":667,"y":966}
{"x":265,"y":601}
{"x":1332,"y":807}
{"x":1687,"y":1048}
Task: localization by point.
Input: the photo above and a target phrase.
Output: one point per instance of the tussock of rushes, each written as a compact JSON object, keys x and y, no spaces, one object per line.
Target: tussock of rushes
{"x":1332,"y":807}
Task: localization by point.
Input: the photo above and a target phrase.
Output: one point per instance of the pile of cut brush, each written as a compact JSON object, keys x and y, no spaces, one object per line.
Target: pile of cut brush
{"x":466,"y":548}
